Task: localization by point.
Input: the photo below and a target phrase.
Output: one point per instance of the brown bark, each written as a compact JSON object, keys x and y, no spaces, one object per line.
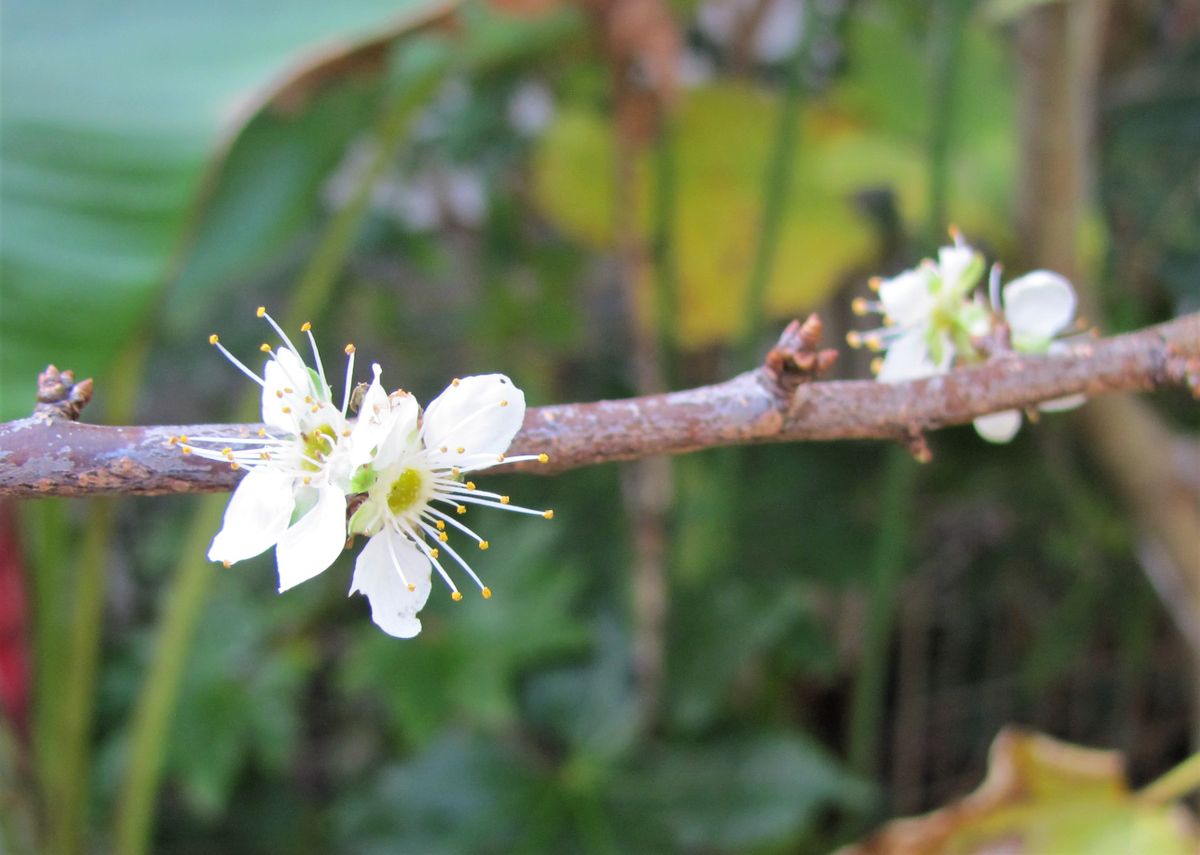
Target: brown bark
{"x":50,"y":455}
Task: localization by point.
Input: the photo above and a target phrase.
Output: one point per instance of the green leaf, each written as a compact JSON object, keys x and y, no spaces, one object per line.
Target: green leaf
{"x":739,"y":792}
{"x":112,"y":119}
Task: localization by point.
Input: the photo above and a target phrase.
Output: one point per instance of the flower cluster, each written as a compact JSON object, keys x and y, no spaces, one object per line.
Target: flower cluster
{"x":403,"y":470}
{"x":934,"y":318}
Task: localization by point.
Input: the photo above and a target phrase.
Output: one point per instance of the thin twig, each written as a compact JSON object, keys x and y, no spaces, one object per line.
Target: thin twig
{"x":42,"y":456}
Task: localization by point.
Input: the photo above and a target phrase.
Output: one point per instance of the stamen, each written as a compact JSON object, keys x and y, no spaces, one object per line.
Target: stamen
{"x":237,"y":363}
{"x":262,"y":313}
{"x":548,"y":514}
{"x":487,"y":592}
{"x":349,"y":377}
{"x":854,"y":339}
{"x":306,"y":328}
{"x":859,"y":306}
{"x":543,"y":458}
{"x":456,"y":596}
{"x":396,"y":562}
{"x":465,"y":566}
{"x":483,"y":544}
{"x":504,"y":500}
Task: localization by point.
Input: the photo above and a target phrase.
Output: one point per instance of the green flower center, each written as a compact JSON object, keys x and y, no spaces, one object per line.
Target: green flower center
{"x":405,"y":491}
{"x":317,"y":444}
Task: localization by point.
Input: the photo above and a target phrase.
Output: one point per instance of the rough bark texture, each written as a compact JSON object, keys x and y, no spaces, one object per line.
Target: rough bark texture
{"x":48,"y":455}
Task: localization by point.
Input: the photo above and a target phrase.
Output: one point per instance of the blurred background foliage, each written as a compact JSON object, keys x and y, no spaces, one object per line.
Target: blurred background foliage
{"x":462,"y":188}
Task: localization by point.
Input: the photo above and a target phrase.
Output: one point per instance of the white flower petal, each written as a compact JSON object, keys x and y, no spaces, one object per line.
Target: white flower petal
{"x":999,"y":427}
{"x":257,"y":514}
{"x":906,"y":299}
{"x":401,"y":435}
{"x":479,"y":414}
{"x":393,"y":607}
{"x":1067,"y":402}
{"x":284,"y":371}
{"x":954,"y":262}
{"x":1038,"y":306}
{"x":374,"y":421}
{"x":315,"y":541}
{"x":908,"y":359}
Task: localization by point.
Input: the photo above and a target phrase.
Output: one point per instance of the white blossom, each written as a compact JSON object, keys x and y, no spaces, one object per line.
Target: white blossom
{"x":416,"y":489}
{"x":1037,"y":307}
{"x":298,"y":466}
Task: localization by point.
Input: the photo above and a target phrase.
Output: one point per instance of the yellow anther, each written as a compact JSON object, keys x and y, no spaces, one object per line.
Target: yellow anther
{"x":264,"y":455}
{"x":307,"y":479}
{"x":288,"y":389}
{"x":876,"y":365}
{"x":955,"y":234}
{"x":470,"y":485}
{"x":460,"y":449}
{"x":262,"y":310}
{"x":434,"y":553}
{"x":308,"y":399}
{"x":185,"y":449}
{"x":305,"y":327}
{"x":543,"y":458}
{"x":859,"y":306}
{"x":443,"y":537}
{"x":854,"y":339}
{"x":228,"y":452}
{"x":226,"y":564}
{"x":411,"y":587}
{"x":213,"y":339}
{"x":349,"y":349}
{"x":504,"y":500}
{"x":461,"y":509}
{"x":286,"y":410}
{"x":262,"y":432}
{"x":264,"y":347}
{"x":441,"y":525}
{"x":316,"y":408}
{"x":235,"y":466}
{"x":443,"y":449}
{"x":874,"y":283}
{"x":504,"y":403}
{"x":172,"y":440}
{"x":455,"y":382}
{"x":499,"y":458}
{"x":455,"y":471}
{"x":548,"y":514}
{"x":456,"y":596}
{"x":874,"y":343}
{"x":487,"y":593}
{"x":278,"y":393}
{"x":483,"y":544}
{"x":346,"y":432}
{"x":183,"y":438}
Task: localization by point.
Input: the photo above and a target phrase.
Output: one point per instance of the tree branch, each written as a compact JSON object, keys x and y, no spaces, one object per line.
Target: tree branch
{"x":50,"y":455}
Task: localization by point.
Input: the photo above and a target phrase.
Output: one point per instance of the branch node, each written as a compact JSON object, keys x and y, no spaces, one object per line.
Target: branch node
{"x":914,"y":443}
{"x":59,"y":396}
{"x":1182,"y":369}
{"x":797,"y":358}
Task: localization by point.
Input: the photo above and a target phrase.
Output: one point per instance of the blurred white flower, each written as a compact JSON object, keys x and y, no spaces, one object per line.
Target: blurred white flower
{"x":929,"y":315}
{"x":777,"y":32}
{"x":1037,"y":307}
{"x":415,"y":489}
{"x":530,"y":108}
{"x":298,"y":466}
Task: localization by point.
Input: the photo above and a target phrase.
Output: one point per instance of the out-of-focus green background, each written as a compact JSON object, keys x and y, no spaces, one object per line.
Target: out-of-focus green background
{"x":752,"y":650}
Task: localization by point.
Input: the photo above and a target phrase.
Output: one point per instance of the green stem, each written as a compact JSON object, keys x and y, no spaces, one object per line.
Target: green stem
{"x":946,"y":37}
{"x":1181,"y":781}
{"x":72,"y":751}
{"x":45,"y":533}
{"x":891,"y":550}
{"x":776,"y":194}
{"x":666,"y":267}
{"x":425,"y":65}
